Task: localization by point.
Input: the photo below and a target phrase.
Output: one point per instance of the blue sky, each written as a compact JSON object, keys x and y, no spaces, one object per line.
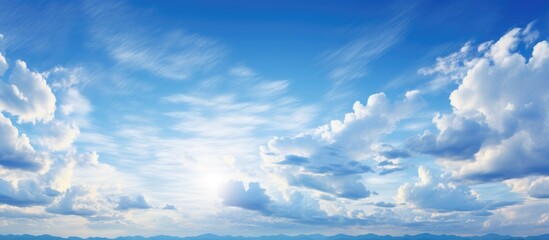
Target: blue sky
{"x":252,"y":118}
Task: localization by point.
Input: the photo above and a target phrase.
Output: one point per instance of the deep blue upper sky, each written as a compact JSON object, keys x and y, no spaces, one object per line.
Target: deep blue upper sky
{"x":254,"y":117}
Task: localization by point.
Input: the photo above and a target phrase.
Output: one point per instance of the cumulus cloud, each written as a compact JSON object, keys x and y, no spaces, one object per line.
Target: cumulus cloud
{"x":332,"y":158}
{"x":458,"y":137}
{"x":293,"y":205}
{"x":389,"y":151}
{"x":60,"y":136}
{"x":349,"y":186}
{"x":11,"y":212}
{"x":16,"y":151}
{"x":27,"y":95}
{"x":437,"y":193}
{"x":540,"y":188}
{"x":533,"y":186}
{"x":132,"y":202}
{"x":71,"y":104}
{"x":304,"y":209}
{"x":500,"y":114}
{"x":532,"y":215}
{"x":234,"y":194}
{"x":23,"y":193}
{"x":77,"y":200}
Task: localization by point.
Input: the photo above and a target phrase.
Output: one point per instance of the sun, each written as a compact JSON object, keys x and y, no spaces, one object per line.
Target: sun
{"x":212,"y":182}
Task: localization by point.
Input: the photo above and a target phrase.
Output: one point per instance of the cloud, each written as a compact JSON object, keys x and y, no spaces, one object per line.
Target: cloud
{"x":389,"y":151}
{"x":253,"y":198}
{"x":66,"y":84}
{"x":27,"y":95}
{"x":9,"y":212}
{"x":383,"y":204}
{"x":531,"y":215}
{"x":351,"y":60}
{"x":500,"y":111}
{"x":169,"y":207}
{"x":349,"y":186}
{"x":457,"y":138}
{"x":60,"y":136}
{"x":449,"y":69}
{"x":437,"y":193}
{"x":540,"y":188}
{"x":294,"y":205}
{"x":332,"y":158}
{"x":23,"y":193}
{"x":3,"y":63}
{"x":16,"y":151}
{"x":242,"y":72}
{"x":77,"y":201}
{"x":132,"y":202}
{"x":176,"y":55}
{"x":270,"y":88}
{"x":304,"y":209}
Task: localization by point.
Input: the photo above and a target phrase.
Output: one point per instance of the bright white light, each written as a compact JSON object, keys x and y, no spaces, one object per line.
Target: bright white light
{"x":212,"y":182}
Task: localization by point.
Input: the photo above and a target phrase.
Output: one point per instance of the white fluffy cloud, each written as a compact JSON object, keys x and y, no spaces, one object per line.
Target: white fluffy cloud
{"x":540,"y":188}
{"x":60,"y":135}
{"x":78,"y":201}
{"x":16,"y":151}
{"x":332,"y":158}
{"x":437,"y":193}
{"x":27,"y":95}
{"x":23,"y":193}
{"x":536,"y":187}
{"x":531,"y":215}
{"x":501,"y":110}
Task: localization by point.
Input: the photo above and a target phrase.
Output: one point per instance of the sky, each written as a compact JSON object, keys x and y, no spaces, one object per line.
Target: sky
{"x":283,"y":117}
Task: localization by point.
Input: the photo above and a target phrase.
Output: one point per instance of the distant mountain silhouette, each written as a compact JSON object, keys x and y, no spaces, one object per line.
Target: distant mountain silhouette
{"x":423,"y":236}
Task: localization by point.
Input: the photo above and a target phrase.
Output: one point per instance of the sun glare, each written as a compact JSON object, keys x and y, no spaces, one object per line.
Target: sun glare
{"x":212,"y":182}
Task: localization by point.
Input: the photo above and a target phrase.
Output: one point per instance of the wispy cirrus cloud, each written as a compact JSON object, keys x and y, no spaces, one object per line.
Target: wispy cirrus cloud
{"x":350,"y":62}
{"x":175,"y":54}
